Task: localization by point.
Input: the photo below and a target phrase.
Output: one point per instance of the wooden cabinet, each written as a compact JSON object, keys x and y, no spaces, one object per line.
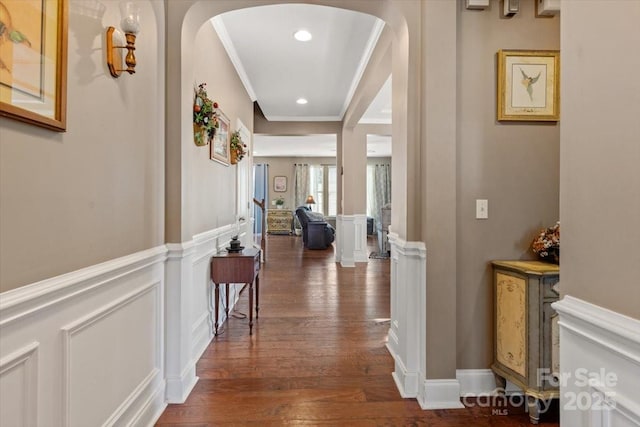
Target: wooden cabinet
{"x":524,"y":344}
{"x":279,"y":221}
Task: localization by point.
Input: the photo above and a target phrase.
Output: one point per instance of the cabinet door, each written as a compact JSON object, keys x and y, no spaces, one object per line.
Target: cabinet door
{"x":511,"y":327}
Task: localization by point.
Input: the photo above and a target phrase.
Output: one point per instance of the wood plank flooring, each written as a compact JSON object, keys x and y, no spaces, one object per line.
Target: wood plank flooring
{"x":317,"y":355}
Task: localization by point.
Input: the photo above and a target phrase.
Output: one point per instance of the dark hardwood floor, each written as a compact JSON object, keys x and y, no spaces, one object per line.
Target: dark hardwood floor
{"x":317,"y":356}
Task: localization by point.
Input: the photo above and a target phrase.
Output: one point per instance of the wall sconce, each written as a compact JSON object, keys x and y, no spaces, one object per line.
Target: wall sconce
{"x":131,"y":26}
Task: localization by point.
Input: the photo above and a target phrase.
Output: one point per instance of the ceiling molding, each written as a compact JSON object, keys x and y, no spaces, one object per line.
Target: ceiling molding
{"x":223,"y":34}
{"x":376,"y":31}
{"x":303,"y":118}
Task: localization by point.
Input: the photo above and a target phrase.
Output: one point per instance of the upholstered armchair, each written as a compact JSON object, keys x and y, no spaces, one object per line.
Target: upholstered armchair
{"x":316,"y":232}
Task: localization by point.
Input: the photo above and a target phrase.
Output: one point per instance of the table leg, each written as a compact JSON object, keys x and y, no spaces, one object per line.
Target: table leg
{"x":257,"y":294}
{"x":250,"y":307}
{"x":226,"y":300}
{"x":534,"y":410}
{"x":217,"y":301}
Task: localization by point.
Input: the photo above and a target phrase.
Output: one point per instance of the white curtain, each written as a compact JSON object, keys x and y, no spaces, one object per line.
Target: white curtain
{"x":382,"y":185}
{"x":300,"y":184}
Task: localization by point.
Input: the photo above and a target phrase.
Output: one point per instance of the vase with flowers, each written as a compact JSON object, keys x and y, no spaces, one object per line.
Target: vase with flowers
{"x":238,"y":149}
{"x":205,"y":116}
{"x":547,"y":244}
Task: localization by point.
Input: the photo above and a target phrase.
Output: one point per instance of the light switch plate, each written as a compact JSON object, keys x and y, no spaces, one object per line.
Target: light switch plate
{"x":482,"y":209}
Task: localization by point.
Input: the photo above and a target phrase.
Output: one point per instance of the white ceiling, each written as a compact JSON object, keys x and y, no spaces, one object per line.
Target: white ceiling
{"x":276,"y":70}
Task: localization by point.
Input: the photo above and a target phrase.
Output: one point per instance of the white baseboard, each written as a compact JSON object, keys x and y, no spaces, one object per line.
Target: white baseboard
{"x":600,"y":359}
{"x":440,"y":394}
{"x":476,"y":382}
{"x":481,"y":382}
{"x":406,"y":381}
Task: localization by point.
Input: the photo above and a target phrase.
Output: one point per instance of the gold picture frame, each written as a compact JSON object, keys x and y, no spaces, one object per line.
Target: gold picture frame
{"x":219,"y":147}
{"x":528,"y":85}
{"x":33,"y":68}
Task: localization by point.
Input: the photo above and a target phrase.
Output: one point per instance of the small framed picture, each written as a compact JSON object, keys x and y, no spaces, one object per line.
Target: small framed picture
{"x":529,"y":85}
{"x":280,"y":184}
{"x":219,"y":147}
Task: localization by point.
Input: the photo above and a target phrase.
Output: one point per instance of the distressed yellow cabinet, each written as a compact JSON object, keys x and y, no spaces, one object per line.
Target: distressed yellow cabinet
{"x":524,"y":344}
{"x":279,"y":221}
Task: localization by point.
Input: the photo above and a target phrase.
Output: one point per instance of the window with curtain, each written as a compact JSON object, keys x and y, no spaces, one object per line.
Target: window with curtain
{"x":378,"y":189}
{"x":323,"y":188}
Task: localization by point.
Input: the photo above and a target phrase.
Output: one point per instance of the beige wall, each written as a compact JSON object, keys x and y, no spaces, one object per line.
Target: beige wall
{"x":513,"y":165}
{"x":600,"y":154}
{"x":283,"y":166}
{"x":94,"y":193}
{"x":211,"y":198}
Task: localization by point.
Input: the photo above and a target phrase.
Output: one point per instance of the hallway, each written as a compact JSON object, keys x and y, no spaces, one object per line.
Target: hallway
{"x":317,"y":355}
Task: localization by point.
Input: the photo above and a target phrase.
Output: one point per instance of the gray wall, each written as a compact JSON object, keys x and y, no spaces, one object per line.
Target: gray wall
{"x":600,"y":154}
{"x":513,"y":165}
{"x":70,"y":200}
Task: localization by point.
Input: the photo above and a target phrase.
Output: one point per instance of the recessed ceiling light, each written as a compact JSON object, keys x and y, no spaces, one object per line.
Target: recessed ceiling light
{"x":302,"y":35}
{"x":302,"y":101}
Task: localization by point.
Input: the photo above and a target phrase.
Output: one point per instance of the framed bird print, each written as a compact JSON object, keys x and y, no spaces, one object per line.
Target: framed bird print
{"x":33,"y":61}
{"x":529,"y":85}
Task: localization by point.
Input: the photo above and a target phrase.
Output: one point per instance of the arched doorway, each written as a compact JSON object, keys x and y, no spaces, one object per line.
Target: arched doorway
{"x":404,"y":20}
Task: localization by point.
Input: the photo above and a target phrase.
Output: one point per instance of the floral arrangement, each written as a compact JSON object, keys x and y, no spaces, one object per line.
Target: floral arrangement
{"x":238,"y":146}
{"x":280,"y":201}
{"x":547,"y":243}
{"x":205,"y":115}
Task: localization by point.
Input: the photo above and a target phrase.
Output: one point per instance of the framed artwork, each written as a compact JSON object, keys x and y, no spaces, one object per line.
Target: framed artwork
{"x":280,"y":184}
{"x":529,"y":85}
{"x":219,"y":146}
{"x":33,"y":62}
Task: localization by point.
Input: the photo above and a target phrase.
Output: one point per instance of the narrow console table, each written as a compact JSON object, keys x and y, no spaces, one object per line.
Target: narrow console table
{"x":242,"y":267}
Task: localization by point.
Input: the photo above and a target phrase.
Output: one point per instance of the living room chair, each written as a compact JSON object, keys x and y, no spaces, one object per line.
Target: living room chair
{"x":316,"y":232}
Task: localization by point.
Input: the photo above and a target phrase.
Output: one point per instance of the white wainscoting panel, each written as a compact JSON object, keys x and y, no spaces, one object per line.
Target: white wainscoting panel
{"x":408,"y":305}
{"x":203,"y":308}
{"x":351,"y":239}
{"x":347,"y":237}
{"x":19,"y":387}
{"x":97,"y":336}
{"x":338,"y":239}
{"x":190,"y":305}
{"x":407,"y":339}
{"x":360,"y":253}
{"x":110,"y":349}
{"x":600,"y":363}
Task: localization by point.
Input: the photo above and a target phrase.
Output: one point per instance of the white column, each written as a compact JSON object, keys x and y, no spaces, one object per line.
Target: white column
{"x":353,"y":246}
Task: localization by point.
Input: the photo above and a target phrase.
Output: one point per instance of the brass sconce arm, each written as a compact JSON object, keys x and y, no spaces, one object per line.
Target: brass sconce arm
{"x":114,"y":58}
